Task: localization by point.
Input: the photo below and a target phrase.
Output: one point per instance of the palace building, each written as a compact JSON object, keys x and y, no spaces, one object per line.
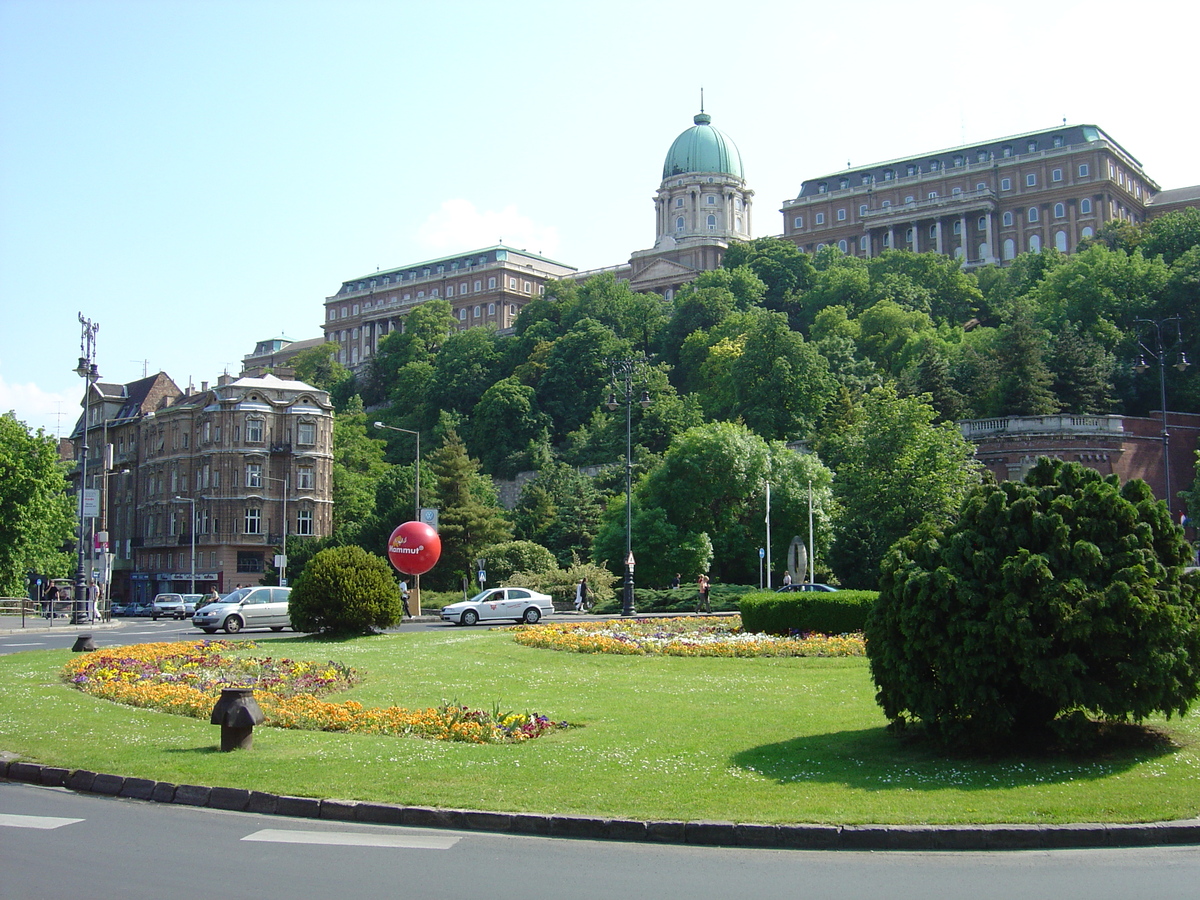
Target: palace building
{"x":982,"y":203}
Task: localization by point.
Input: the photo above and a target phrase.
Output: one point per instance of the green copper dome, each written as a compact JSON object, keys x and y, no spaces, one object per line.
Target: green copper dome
{"x":703,"y":149}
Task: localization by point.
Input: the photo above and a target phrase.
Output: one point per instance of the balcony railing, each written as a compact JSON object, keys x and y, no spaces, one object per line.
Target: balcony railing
{"x":974,"y":429}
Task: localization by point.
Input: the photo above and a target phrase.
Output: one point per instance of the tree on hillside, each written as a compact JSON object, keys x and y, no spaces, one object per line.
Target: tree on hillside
{"x":577,"y":374}
{"x":1023,"y":387}
{"x":780,"y":264}
{"x":470,"y":517}
{"x":1083,"y":372}
{"x":560,"y":509}
{"x":36,"y":515}
{"x":1062,"y":595}
{"x":319,"y":366}
{"x":1171,"y":235}
{"x":895,"y":468}
{"x":358,"y":465}
{"x":504,"y":424}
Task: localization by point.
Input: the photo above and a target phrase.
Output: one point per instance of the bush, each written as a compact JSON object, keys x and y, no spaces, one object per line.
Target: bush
{"x":515,"y":556}
{"x":345,"y":589}
{"x":721,"y":597}
{"x":1064,"y":594}
{"x":837,"y":612}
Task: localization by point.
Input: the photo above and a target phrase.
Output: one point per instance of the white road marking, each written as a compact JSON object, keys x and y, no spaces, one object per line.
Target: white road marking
{"x":43,"y":822}
{"x":354,"y":839}
{"x":31,"y":644}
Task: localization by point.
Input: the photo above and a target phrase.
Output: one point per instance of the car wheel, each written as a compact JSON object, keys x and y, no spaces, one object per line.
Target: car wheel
{"x":531,"y":616}
{"x":470,"y":617}
{"x":233,"y":625}
{"x":154,"y":617}
{"x":209,"y":630}
{"x":277,"y":628}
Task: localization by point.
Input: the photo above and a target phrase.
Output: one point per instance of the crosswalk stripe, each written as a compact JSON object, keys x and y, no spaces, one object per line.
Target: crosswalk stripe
{"x":354,"y":839}
{"x":43,"y":822}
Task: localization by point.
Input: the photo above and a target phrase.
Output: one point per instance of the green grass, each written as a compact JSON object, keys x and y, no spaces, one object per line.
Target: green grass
{"x":758,"y":740}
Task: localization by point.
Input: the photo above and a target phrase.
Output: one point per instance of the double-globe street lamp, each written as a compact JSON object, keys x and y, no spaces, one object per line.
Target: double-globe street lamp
{"x":1159,"y":353}
{"x":416,"y":495}
{"x":623,"y":373}
{"x":90,"y":374}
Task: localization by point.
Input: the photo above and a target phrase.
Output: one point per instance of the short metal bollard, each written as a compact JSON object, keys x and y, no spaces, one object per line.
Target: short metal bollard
{"x":83,"y":643}
{"x":237,"y":712}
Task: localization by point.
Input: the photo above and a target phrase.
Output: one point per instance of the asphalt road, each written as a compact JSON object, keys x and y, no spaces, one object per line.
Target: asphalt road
{"x":56,"y":844}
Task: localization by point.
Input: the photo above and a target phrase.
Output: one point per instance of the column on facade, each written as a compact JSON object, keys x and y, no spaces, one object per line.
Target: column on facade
{"x":891,"y":237}
{"x":989,"y":236}
{"x":939,"y":245}
{"x":962,"y":237}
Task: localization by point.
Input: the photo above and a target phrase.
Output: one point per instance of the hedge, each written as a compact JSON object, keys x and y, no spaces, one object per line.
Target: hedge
{"x":825,"y":612}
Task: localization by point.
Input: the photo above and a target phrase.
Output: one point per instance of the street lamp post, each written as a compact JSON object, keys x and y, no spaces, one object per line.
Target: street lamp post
{"x":623,"y":372}
{"x":283,"y":549}
{"x":1159,"y":353}
{"x":416,"y":591}
{"x":88,"y":372}
{"x":192,"y":501}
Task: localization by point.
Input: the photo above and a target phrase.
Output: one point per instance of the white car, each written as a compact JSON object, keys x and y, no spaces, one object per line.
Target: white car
{"x":509,"y":603}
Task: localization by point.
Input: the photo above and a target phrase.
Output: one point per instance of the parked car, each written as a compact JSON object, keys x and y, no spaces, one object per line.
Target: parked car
{"x":177,"y":606}
{"x":120,"y":607}
{"x":139,"y":608}
{"x":517,"y":604}
{"x":254,"y":607}
{"x":803,"y":586}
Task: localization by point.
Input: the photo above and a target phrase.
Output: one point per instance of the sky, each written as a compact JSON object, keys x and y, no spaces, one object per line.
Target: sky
{"x":199,"y":175}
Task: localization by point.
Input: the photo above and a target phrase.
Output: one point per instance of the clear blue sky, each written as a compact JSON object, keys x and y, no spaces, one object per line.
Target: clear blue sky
{"x":198,"y":175}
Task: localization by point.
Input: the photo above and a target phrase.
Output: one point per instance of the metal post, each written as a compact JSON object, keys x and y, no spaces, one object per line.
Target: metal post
{"x":192,"y":501}
{"x":623,"y":372}
{"x":88,"y":372}
{"x":1159,"y":353}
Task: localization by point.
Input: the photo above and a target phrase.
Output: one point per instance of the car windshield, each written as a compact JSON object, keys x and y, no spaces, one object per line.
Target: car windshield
{"x":487,"y":596}
{"x":236,"y":596}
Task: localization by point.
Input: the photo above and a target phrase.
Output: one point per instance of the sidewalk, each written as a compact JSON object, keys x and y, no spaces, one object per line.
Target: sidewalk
{"x":38,"y":625}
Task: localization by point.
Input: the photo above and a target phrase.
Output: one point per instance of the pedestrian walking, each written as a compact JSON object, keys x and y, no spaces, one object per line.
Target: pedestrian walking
{"x":702,"y":585}
{"x":404,"y":596}
{"x":582,"y":602}
{"x":675,"y":581}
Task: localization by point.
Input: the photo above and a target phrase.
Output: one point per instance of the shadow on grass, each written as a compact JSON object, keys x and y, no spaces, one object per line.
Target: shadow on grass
{"x":209,"y":750}
{"x":873,"y":759}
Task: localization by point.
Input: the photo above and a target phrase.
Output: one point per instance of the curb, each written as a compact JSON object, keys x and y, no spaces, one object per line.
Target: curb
{"x":7,"y":628}
{"x":697,"y":833}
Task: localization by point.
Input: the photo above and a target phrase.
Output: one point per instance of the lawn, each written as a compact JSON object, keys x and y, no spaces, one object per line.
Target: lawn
{"x":773,"y":740}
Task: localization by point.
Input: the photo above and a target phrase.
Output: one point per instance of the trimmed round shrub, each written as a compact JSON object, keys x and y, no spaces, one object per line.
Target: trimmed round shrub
{"x":505,"y":559}
{"x":1064,"y":595}
{"x":815,"y":612}
{"x":345,"y":589}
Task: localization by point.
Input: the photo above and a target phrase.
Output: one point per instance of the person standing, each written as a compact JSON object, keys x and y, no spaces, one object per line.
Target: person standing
{"x":702,"y":585}
{"x":581,"y":595}
{"x":675,"y":581}
{"x":48,"y":598}
{"x":787,"y":579}
{"x":404,"y":597}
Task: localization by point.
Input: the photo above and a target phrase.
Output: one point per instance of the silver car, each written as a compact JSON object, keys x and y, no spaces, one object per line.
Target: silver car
{"x":517,"y":604}
{"x":177,"y":606}
{"x":253,"y":607}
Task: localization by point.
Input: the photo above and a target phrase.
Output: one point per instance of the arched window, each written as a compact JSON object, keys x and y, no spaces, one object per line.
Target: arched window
{"x":842,"y":246}
{"x":1059,"y":210}
{"x":679,"y":223}
{"x":1010,"y":249}
{"x":1087,"y":232}
{"x":1008,"y":218}
{"x":1060,"y":241}
{"x":1035,"y":243}
{"x":1085,"y":207}
{"x":1033,"y":214}
{"x":712,"y":223}
{"x":983,"y":251}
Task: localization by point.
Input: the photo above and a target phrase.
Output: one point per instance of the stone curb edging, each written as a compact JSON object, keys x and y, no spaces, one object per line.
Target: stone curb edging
{"x":700,"y":833}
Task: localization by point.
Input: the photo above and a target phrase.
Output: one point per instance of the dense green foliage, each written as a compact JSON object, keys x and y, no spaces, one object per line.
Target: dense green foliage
{"x":1064,"y":594}
{"x":345,"y":590}
{"x":855,"y":362}
{"x":836,"y":612}
{"x":36,"y":516}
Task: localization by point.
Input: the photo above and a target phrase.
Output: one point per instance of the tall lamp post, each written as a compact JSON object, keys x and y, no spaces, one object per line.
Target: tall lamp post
{"x":192,"y":501}
{"x":283,"y":549}
{"x":416,"y":591}
{"x":1159,"y":353}
{"x":623,"y":372}
{"x":88,"y":372}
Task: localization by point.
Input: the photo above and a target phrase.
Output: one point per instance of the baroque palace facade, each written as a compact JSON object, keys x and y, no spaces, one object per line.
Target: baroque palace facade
{"x":981,"y":203}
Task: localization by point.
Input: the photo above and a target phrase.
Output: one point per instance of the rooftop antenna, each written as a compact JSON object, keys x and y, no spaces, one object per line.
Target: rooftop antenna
{"x":145,"y":366}
{"x":702,"y":99}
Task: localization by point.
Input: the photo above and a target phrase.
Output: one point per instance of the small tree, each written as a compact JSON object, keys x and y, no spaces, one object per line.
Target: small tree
{"x":345,"y":589}
{"x":1064,"y":594}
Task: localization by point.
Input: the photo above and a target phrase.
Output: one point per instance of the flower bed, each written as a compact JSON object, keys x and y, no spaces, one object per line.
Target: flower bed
{"x":684,"y":636}
{"x":187,"y":678}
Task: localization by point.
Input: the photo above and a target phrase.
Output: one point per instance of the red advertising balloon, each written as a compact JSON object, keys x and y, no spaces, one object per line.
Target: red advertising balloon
{"x":414,"y":548}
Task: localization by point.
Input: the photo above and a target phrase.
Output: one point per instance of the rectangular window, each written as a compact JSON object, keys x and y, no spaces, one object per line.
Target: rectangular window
{"x":491,"y":284}
{"x":254,"y":431}
{"x":1006,"y":184}
{"x":253,"y":475}
{"x":1083,"y":170}
{"x":304,"y":478}
{"x":798,"y":222}
{"x":304,"y":522}
{"x":1056,"y":175}
{"x":306,"y":433}
{"x":1031,"y":180}
{"x":820,"y":218}
{"x":841,"y":215}
{"x":253,"y":521}
{"x":478,"y":285}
